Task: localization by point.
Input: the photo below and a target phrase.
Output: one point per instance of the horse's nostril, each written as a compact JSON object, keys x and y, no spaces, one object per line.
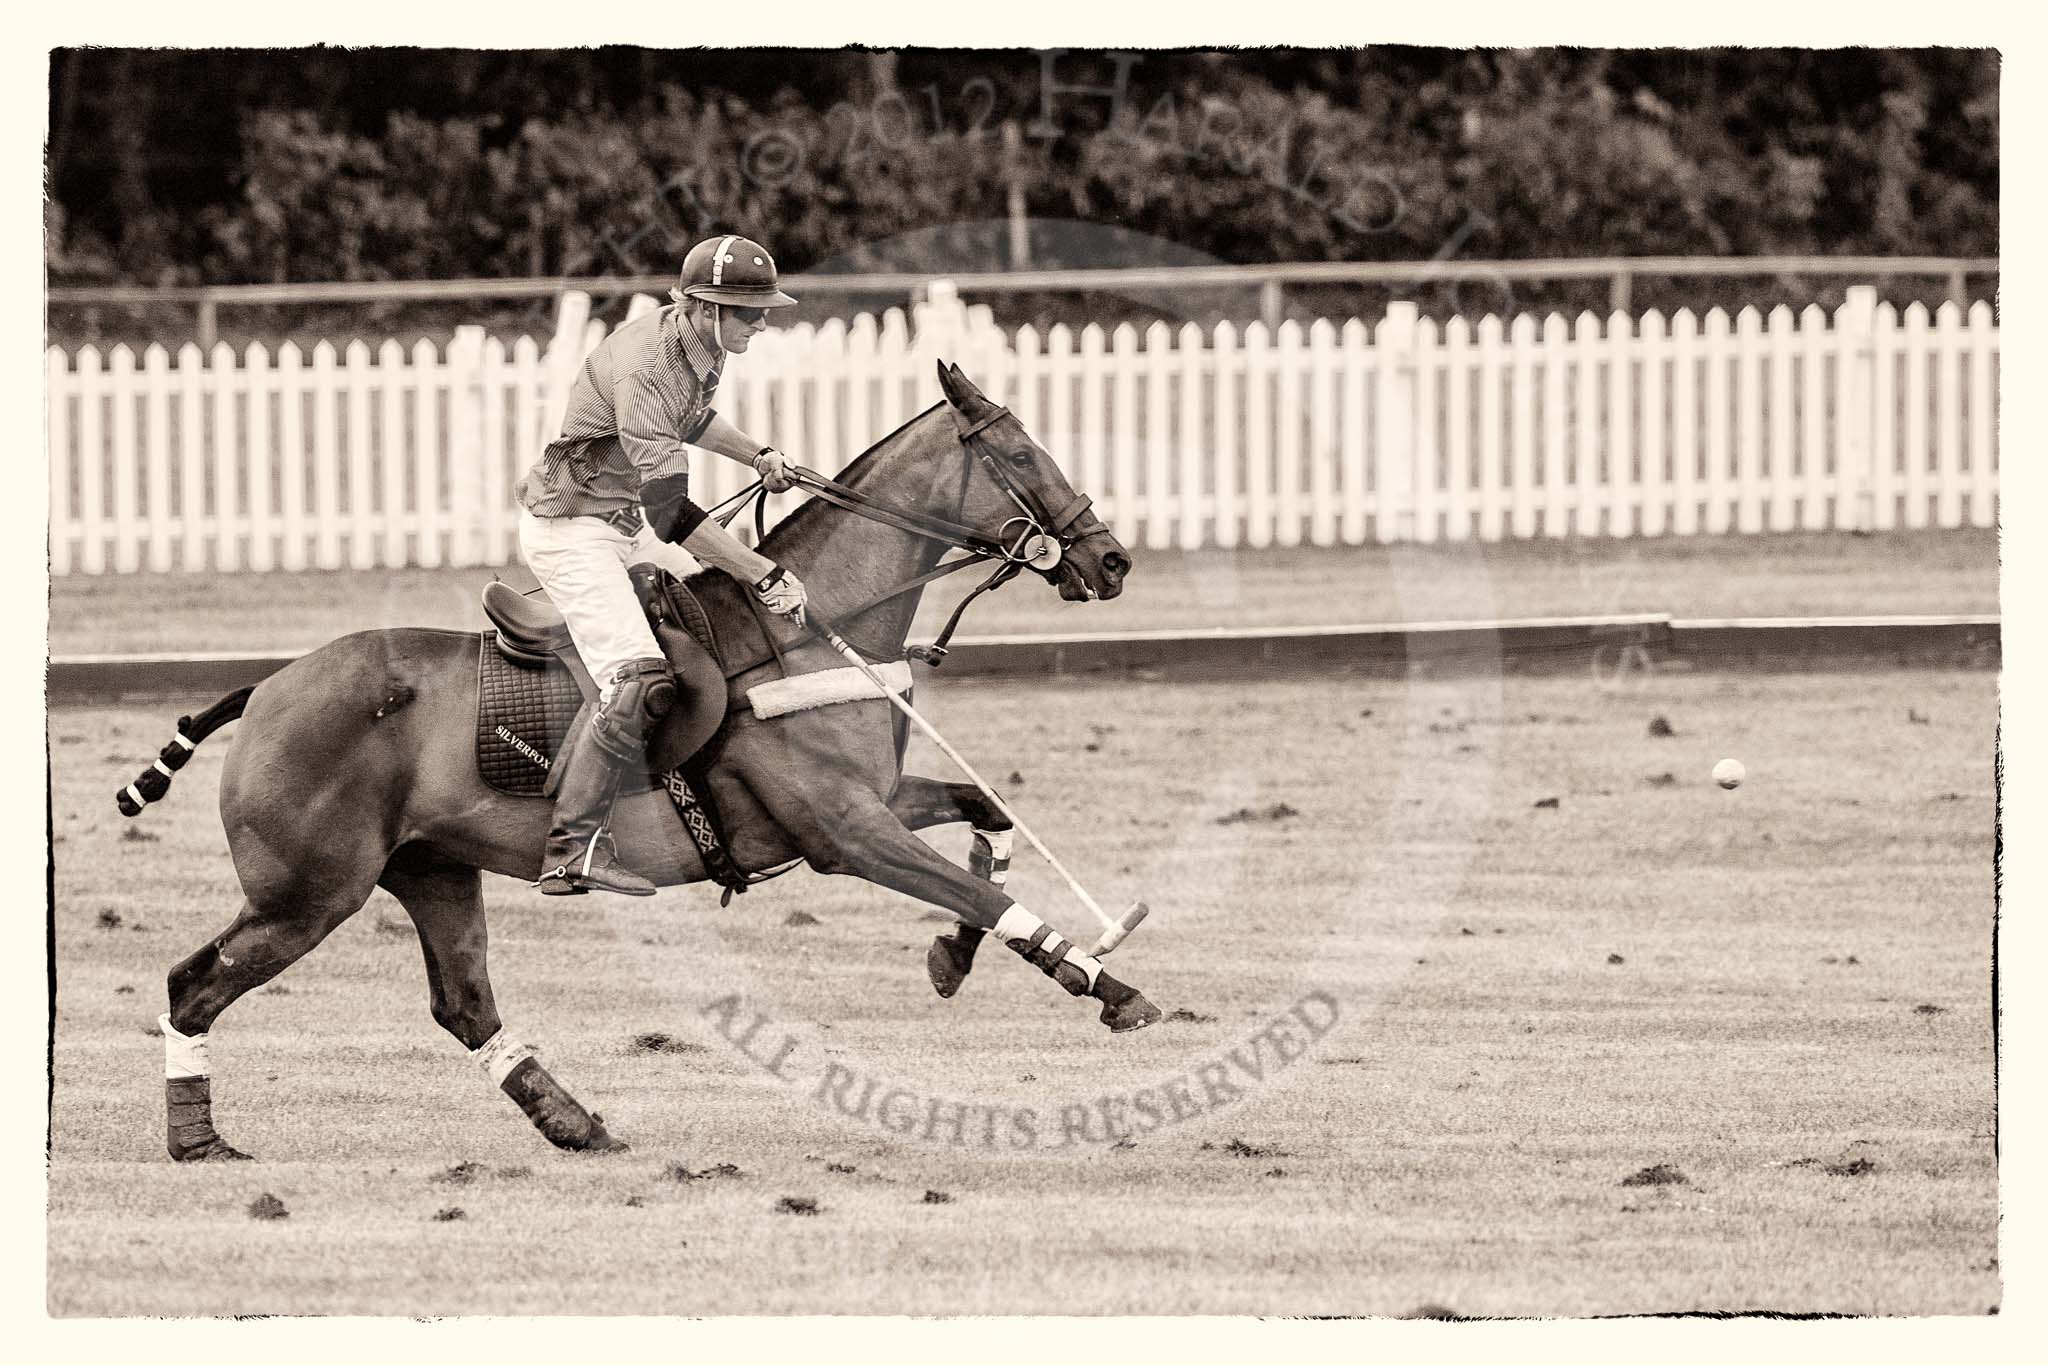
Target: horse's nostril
{"x":1116,"y":564}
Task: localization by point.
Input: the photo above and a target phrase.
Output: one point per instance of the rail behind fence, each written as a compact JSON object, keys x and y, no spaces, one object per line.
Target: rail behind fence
{"x":1866,"y":419}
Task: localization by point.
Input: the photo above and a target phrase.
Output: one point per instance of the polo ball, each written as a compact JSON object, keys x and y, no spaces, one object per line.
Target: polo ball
{"x":1728,"y":773}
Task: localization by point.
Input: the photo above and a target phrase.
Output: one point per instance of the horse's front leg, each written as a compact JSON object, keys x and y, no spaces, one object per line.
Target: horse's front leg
{"x":921,"y":802}
{"x":854,"y":832}
{"x":445,"y":900}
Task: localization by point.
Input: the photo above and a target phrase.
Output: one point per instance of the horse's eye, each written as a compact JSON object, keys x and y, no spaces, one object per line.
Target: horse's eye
{"x":1021,"y":459}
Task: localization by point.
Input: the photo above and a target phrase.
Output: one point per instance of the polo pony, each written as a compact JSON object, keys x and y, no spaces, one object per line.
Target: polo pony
{"x":356,"y":765}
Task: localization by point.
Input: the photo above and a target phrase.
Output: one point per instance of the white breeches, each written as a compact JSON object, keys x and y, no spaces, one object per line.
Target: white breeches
{"x":581,"y":564}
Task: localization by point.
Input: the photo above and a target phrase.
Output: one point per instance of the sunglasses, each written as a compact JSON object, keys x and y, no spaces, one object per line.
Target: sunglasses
{"x":749,"y":316}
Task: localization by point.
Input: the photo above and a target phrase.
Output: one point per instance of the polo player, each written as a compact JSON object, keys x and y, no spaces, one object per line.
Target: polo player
{"x":614,"y":490}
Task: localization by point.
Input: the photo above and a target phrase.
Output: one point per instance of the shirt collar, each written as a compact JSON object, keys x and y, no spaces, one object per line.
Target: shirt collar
{"x":703,"y":358}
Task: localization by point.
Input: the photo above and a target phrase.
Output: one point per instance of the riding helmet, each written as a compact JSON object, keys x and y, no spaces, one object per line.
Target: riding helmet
{"x":734,"y":271}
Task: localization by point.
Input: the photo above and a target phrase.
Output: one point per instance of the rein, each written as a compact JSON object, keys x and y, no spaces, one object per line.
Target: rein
{"x":1039,"y":546}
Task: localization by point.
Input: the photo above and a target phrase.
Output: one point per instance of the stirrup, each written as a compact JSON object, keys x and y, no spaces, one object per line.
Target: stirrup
{"x":560,"y":874}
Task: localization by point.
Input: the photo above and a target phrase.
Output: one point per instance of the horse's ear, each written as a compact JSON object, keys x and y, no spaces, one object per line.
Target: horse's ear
{"x":961,"y":391}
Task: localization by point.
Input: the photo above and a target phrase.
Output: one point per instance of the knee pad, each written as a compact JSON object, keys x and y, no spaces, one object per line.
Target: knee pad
{"x":643,"y":691}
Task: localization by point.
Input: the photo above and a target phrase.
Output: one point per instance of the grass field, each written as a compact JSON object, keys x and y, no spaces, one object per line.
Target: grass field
{"x":1931,"y":572}
{"x":1781,"y":994}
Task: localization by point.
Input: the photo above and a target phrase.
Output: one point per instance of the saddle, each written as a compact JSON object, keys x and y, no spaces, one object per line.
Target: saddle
{"x":531,"y":684}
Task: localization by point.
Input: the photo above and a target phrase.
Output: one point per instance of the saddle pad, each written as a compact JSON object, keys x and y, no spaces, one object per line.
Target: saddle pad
{"x":810,"y":690}
{"x":522,"y":715}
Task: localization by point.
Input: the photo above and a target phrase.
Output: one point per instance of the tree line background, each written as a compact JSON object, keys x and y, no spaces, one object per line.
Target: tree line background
{"x":223,"y":166}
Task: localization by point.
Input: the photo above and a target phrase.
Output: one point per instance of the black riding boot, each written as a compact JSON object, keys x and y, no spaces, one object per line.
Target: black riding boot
{"x":579,"y":855}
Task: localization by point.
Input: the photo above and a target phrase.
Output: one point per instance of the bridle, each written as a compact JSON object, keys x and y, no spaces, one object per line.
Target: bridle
{"x":1041,"y":542}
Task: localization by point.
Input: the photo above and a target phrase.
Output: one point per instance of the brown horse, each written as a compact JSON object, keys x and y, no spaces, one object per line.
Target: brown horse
{"x":356,"y":765}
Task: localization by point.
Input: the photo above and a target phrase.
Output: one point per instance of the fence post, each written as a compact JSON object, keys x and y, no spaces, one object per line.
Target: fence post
{"x":1394,"y":453}
{"x":466,"y":512}
{"x":938,"y":331}
{"x":1855,"y":332}
{"x":564,"y":358}
{"x":1272,"y":305}
{"x":1013,"y":179}
{"x":1620,"y":292}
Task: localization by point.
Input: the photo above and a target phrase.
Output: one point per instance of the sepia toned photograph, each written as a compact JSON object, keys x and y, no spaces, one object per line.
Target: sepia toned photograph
{"x":965,"y":682}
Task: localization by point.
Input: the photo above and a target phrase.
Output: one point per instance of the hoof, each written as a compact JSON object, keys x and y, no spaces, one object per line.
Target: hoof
{"x":1131,"y":1012}
{"x":587,"y":1134}
{"x":947,"y":964}
{"x":188,"y":1122}
{"x":601,"y":1141}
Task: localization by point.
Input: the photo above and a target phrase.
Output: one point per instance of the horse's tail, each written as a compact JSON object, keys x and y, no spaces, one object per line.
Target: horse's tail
{"x":155,"y":780}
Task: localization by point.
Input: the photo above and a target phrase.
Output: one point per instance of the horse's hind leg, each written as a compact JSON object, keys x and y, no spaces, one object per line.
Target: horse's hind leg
{"x":445,"y":900}
{"x":269,"y":935}
{"x":921,"y":802}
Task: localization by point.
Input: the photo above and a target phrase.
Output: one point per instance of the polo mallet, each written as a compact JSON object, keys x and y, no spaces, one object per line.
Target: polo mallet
{"x":1114,"y":931}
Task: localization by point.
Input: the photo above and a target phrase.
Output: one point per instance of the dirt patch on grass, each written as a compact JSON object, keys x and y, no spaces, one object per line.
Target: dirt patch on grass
{"x":664,"y":1042}
{"x":798,"y":1204}
{"x":1659,"y":1174}
{"x":1239,"y":1147}
{"x":724,"y":1170}
{"x":1248,"y":815}
{"x":268,"y":1208}
{"x":461,"y":1173}
{"x":799,"y":919}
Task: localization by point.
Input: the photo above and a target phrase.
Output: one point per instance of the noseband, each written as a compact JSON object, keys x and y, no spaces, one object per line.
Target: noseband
{"x":1047,"y":534}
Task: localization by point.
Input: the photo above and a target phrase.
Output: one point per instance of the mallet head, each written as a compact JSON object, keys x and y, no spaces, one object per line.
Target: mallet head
{"x":1129,"y":920}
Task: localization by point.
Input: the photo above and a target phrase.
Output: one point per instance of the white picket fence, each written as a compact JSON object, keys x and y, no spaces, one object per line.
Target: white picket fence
{"x":1324,"y":435}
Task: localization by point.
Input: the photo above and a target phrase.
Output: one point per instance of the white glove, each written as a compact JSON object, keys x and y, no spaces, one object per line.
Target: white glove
{"x":782,"y":592}
{"x":773,"y":466}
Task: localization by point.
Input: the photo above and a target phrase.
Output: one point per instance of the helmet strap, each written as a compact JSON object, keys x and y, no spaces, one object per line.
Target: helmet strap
{"x":706,"y":318}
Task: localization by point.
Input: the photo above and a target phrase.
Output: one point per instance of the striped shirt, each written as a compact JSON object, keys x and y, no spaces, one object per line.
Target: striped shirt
{"x":643,"y":393}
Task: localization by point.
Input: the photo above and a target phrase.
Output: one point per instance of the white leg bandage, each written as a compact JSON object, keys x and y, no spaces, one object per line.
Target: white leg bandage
{"x":1041,"y":944}
{"x":184,"y":1057}
{"x":499,"y":1054}
{"x":989,"y":858}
